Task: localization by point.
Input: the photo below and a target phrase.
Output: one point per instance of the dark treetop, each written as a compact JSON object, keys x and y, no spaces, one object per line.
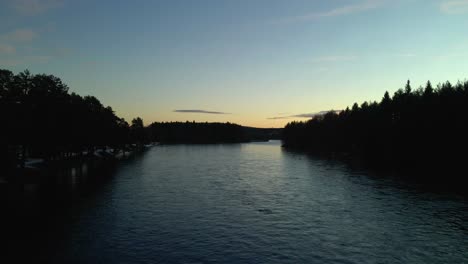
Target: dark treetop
{"x":40,"y":118}
{"x":196,"y":133}
{"x":192,"y":132}
{"x":425,"y":128}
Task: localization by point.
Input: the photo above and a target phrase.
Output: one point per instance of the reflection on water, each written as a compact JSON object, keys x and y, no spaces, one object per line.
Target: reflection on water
{"x":245,"y":203}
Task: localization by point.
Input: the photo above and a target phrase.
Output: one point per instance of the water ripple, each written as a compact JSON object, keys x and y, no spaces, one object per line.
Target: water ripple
{"x":255,"y":203}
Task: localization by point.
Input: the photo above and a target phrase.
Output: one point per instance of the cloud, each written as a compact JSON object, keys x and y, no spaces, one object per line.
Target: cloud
{"x":454,"y":7}
{"x":200,"y":111}
{"x":19,"y":35}
{"x":311,"y":115}
{"x":62,"y":52}
{"x":305,"y":115}
{"x":339,"y":11}
{"x":14,"y":48}
{"x":451,"y":56}
{"x":279,"y":117}
{"x":404,"y":55}
{"x":7,"y":49}
{"x":34,"y":7}
{"x":335,"y":58}
{"x":25,"y":60}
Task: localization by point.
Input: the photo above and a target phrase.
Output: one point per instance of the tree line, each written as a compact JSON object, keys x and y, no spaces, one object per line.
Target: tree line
{"x":422,"y":128}
{"x":41,"y":118}
{"x":196,"y":133}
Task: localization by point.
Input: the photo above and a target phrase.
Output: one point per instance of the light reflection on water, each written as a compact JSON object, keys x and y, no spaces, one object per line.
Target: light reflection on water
{"x":256,"y":203}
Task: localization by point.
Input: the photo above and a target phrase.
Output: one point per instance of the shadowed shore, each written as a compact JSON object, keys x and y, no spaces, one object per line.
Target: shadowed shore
{"x":423,"y":131}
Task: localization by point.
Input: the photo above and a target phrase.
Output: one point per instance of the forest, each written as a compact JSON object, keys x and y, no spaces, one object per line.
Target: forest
{"x":208,"y":133}
{"x":414,"y":128}
{"x":40,"y":118}
{"x":196,"y":133}
{"x":422,"y":128}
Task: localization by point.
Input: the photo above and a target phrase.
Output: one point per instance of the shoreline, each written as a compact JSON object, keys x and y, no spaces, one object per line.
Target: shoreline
{"x":433,"y":176}
{"x":35,"y":169}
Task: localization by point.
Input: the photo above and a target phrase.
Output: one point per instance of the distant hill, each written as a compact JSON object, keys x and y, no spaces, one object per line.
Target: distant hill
{"x":262,"y":134}
{"x":200,"y":133}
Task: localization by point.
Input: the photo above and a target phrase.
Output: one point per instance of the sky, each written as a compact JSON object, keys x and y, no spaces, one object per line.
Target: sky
{"x":259,"y":63}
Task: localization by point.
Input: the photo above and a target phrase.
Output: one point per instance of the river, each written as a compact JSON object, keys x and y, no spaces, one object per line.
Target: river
{"x":248,"y":203}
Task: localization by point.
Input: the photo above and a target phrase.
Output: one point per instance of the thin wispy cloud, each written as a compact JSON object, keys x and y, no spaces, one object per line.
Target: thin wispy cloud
{"x":345,"y":58}
{"x":7,"y":49}
{"x":24,"y":60}
{"x":305,"y":115}
{"x":19,"y":35}
{"x":358,"y":7}
{"x":34,"y":7}
{"x":312,"y":115}
{"x":12,"y":42}
{"x":198,"y":111}
{"x":278,"y":117}
{"x":404,"y":55}
{"x":454,"y":7}
{"x":335,"y":58}
{"x":451,"y":56}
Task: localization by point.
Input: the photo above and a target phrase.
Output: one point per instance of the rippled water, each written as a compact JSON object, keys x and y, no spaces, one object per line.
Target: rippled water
{"x":257,"y":203}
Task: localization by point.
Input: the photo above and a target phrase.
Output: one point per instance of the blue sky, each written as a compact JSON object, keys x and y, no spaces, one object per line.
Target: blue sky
{"x":258,"y":63}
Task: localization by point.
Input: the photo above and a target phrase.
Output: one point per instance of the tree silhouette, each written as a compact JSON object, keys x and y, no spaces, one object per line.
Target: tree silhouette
{"x":198,"y":133}
{"x":423,"y":128}
{"x":41,"y":118}
{"x":137,"y":131}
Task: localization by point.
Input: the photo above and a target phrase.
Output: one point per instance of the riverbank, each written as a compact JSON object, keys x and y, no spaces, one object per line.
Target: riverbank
{"x":36,"y":200}
{"x":248,"y":203}
{"x":41,"y":182}
{"x":35,"y":167}
{"x":437,"y":176}
{"x":40,"y":185}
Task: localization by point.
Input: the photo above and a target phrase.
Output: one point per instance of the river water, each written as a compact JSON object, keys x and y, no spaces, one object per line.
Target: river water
{"x":252,"y":203}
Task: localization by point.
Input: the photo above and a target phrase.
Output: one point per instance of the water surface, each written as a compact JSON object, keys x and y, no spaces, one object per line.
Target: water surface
{"x":255,"y":203}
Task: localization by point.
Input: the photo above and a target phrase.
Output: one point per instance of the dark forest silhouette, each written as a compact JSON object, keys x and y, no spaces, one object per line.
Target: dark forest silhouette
{"x":425,"y":128}
{"x":192,"y":132}
{"x":201,"y":133}
{"x":41,"y":118}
